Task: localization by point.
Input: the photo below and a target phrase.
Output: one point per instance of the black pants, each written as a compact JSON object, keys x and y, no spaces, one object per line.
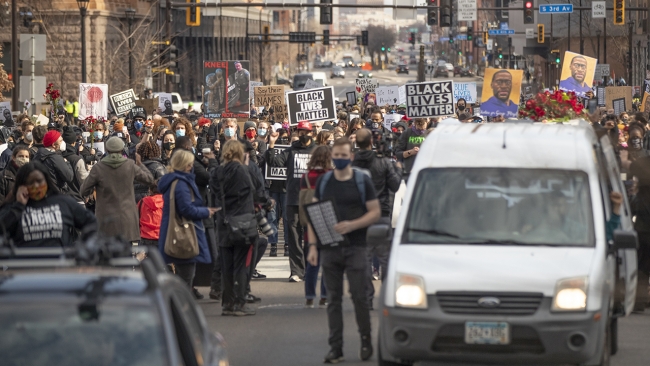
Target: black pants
{"x":215,"y":281}
{"x":235,"y":274}
{"x":186,"y":272}
{"x":351,"y":261}
{"x":258,"y":253}
{"x":296,"y":253}
{"x":382,"y":251}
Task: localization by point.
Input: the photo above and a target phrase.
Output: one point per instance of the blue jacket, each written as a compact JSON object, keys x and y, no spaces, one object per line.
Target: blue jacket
{"x":186,"y":208}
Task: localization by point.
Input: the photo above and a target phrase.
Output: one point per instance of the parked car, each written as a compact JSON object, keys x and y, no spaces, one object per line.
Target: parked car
{"x":413,"y":60}
{"x":402,"y":69}
{"x":484,"y":268}
{"x":441,"y":71}
{"x":98,"y":305}
{"x":466,"y":71}
{"x":365,"y":74}
{"x":457,"y":70}
{"x":337,"y":72}
{"x":339,"y":64}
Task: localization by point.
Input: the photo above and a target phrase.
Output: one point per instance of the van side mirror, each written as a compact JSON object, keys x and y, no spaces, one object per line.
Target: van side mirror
{"x":379,"y":233}
{"x":624,"y":239}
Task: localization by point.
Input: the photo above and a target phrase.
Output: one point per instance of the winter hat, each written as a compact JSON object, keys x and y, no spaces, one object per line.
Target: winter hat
{"x":249,"y":124}
{"x":50,"y":138}
{"x":69,"y":136}
{"x":114,"y":145}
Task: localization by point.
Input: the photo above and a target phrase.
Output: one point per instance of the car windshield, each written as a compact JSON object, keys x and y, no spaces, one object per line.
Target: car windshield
{"x":69,"y":334}
{"x":500,"y":206}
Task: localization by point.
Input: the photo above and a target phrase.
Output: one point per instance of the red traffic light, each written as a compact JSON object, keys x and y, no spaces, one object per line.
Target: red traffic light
{"x":529,"y":4}
{"x":432,"y":2}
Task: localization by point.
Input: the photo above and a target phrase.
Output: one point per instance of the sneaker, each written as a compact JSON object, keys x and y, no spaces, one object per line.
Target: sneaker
{"x":243,"y":310}
{"x":334,"y":356}
{"x":286,"y":250}
{"x":252,"y":299}
{"x":215,"y":295}
{"x":258,"y":276}
{"x":227,"y":311}
{"x":295,"y":278}
{"x":197,"y":294}
{"x":309,"y":303}
{"x":274,"y":251}
{"x":322,"y":303}
{"x":366,"y":348}
{"x":375,"y":274}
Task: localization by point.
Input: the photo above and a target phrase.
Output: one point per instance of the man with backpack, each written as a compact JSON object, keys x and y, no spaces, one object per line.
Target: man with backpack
{"x":50,"y":155}
{"x":355,"y":200}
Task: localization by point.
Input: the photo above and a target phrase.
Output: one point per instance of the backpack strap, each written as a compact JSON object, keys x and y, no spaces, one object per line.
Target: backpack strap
{"x":323,"y":183}
{"x":361,"y":185}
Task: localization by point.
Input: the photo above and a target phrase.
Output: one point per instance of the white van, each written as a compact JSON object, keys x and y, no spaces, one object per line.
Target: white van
{"x":500,"y":254}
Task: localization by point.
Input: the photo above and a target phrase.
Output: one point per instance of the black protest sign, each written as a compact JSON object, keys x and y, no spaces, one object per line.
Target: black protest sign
{"x":137,"y":110}
{"x":430,"y":99}
{"x":122,"y":102}
{"x":311,"y":105}
{"x":276,"y":173}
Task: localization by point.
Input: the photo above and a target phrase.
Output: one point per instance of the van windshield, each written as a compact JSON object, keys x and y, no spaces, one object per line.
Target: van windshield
{"x":500,"y":206}
{"x":300,"y":80}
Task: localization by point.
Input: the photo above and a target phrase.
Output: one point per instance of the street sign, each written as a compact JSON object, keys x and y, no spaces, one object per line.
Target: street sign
{"x":598,"y":9}
{"x":466,"y":10}
{"x":601,"y":71}
{"x":530,"y":33}
{"x":444,"y":39}
{"x":461,"y":37}
{"x":556,"y":9}
{"x":504,"y":26}
{"x":501,"y":32}
{"x":488,"y":46}
{"x":32,"y":44}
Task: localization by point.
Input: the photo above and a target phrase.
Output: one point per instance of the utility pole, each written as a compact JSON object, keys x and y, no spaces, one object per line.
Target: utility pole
{"x":421,"y":65}
{"x":14,"y":55}
{"x":168,"y":31}
{"x":582,"y":42}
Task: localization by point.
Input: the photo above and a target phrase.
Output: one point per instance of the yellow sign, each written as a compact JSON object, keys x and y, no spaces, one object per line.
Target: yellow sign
{"x":501,"y":96}
{"x":577,"y":73}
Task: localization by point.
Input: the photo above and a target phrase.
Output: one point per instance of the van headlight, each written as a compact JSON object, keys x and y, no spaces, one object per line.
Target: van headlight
{"x":570,"y":294}
{"x":410,"y":292}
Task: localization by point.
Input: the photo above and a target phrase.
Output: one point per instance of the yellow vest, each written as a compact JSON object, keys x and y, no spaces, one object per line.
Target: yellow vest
{"x":69,"y":108}
{"x":75,"y":114}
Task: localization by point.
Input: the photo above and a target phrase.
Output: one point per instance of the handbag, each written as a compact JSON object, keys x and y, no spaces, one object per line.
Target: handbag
{"x":305,"y":197}
{"x":181,"y":241}
{"x":242,"y":229}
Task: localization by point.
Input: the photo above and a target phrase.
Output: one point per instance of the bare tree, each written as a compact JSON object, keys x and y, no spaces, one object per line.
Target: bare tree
{"x":5,"y":83}
{"x":379,"y":36}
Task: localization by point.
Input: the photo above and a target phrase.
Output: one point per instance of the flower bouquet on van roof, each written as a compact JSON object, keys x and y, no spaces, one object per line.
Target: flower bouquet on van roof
{"x":558,"y":106}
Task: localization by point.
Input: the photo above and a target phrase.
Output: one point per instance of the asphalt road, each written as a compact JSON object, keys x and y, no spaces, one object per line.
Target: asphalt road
{"x":284,"y":333}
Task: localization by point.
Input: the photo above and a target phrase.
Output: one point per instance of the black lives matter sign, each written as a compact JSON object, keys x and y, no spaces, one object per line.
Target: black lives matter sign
{"x":275,"y":172}
{"x":311,"y":105}
{"x":431,"y":99}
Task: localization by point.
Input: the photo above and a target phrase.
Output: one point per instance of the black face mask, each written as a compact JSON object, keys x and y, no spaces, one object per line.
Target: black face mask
{"x":304,"y":139}
{"x":461,"y":107}
{"x":283,"y":141}
{"x":169,"y":146}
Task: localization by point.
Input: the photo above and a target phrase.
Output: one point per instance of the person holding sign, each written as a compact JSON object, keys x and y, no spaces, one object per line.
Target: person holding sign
{"x":355,"y":200}
{"x":500,"y":102}
{"x":576,"y":82}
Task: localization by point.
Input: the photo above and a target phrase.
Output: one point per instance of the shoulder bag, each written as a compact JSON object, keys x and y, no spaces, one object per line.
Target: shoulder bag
{"x":181,"y":241}
{"x":242,"y":229}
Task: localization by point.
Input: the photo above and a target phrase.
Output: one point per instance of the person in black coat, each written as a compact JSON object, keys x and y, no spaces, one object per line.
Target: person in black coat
{"x":149,"y":153}
{"x":19,"y":157}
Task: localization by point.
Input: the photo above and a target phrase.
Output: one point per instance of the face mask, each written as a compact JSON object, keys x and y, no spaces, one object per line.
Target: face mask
{"x":62,"y":146}
{"x":169,"y":146}
{"x":37,"y":193}
{"x":636,"y":143}
{"x":138,"y":125}
{"x":180,"y":133}
{"x":229,"y":131}
{"x":330,"y":143}
{"x":251,"y":134}
{"x":159,"y":143}
{"x":341,"y":164}
{"x":20,"y":161}
{"x":262,"y":131}
{"x":375,"y":126}
{"x":461,"y":107}
{"x":99,"y":134}
{"x":29,"y":137}
{"x":304,"y":139}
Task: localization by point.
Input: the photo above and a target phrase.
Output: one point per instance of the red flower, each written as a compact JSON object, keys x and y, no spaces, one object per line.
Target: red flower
{"x":530,"y":104}
{"x":539,"y":111}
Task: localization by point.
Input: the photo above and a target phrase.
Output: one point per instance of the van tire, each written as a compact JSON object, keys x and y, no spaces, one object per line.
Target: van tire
{"x":382,"y":362}
{"x":614,"y":336}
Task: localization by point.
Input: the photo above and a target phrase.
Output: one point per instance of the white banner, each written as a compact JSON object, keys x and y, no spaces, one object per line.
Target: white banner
{"x":387,"y":95}
{"x":93,"y":100}
{"x":466,"y":91}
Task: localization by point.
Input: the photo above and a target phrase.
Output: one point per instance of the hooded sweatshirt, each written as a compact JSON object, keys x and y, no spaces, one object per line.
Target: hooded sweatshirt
{"x":295,"y":158}
{"x":385,"y":177}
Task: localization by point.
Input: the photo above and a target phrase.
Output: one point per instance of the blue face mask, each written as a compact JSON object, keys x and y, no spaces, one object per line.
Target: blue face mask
{"x":180,"y":133}
{"x":261,"y":132}
{"x":99,"y":134}
{"x":229,"y":132}
{"x":137,"y":125}
{"x":341,"y":164}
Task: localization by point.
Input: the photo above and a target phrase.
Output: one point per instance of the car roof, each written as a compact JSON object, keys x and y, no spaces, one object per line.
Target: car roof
{"x":73,"y":280}
{"x":529,"y":145}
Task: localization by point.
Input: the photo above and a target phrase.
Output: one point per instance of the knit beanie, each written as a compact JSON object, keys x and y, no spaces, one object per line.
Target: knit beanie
{"x":114,"y":145}
{"x":50,"y":138}
{"x":69,"y":136}
{"x":249,"y":124}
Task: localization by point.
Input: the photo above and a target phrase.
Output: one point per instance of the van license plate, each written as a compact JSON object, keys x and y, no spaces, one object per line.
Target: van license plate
{"x":487,"y":333}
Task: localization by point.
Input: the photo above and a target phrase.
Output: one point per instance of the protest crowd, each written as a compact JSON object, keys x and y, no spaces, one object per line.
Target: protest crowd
{"x":220,"y":192}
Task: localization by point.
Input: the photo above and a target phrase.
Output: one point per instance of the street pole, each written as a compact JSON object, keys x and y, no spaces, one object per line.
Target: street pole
{"x":14,"y":54}
{"x":83,"y":11}
{"x":568,"y":48}
{"x":168,"y":31}
{"x":261,"y":46}
{"x":129,"y":19}
{"x":32,"y":76}
{"x":246,"y":41}
{"x":598,"y":44}
{"x":582,"y":44}
{"x":421,"y":65}
{"x":630,"y":45}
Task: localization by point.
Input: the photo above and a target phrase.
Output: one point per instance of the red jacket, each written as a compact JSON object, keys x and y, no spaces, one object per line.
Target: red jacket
{"x":151,"y":209}
{"x":313,"y":176}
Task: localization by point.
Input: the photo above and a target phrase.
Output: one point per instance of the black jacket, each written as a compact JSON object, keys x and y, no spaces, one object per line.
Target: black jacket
{"x":295,"y":158}
{"x":157,"y":170}
{"x":60,"y":170}
{"x":7,"y":180}
{"x":73,"y":159}
{"x":237,"y":196}
{"x":385,"y":177}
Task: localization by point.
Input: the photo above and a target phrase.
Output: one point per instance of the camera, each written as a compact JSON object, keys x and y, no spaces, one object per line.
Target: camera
{"x":263,"y":223}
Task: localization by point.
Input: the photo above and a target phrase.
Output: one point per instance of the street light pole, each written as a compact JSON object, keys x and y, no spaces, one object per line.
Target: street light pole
{"x":130,"y":16}
{"x":83,"y":8}
{"x":598,"y":44}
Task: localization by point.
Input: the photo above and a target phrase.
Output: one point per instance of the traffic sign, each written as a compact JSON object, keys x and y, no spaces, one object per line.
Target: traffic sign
{"x":501,"y":32}
{"x":530,"y":33}
{"x":556,"y":9}
{"x":598,"y":9}
{"x":444,"y":39}
{"x":461,"y":37}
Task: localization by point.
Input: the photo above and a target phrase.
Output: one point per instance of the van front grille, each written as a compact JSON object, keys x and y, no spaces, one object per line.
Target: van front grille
{"x":507,"y":303}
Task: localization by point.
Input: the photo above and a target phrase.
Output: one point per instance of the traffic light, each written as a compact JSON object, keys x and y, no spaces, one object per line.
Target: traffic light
{"x":485,"y":37}
{"x":529,"y":12}
{"x":326,"y":37}
{"x":169,"y":57}
{"x":193,"y":15}
{"x":470,"y":33}
{"x":556,"y":53}
{"x":27,"y":17}
{"x":500,"y":53}
{"x":383,"y":48}
{"x":445,"y":13}
{"x":412,"y":38}
{"x":266,"y":32}
{"x":619,"y":12}
{"x":540,"y":33}
{"x":326,"y":12}
{"x":451,"y":40}
{"x":432,"y":14}
{"x":364,"y":38}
